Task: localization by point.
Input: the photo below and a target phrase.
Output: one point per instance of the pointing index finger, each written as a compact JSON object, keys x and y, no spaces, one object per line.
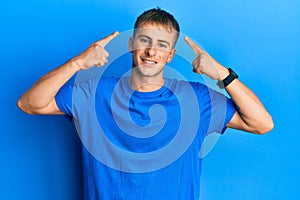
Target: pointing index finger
{"x":196,"y":48}
{"x":103,"y":42}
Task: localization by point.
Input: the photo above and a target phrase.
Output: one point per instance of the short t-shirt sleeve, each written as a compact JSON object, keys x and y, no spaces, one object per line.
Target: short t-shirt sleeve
{"x":216,"y":108}
{"x":64,"y":100}
{"x":222,"y":111}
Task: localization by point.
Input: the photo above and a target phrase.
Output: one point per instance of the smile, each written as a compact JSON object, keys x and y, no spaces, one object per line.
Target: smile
{"x":151,"y":62}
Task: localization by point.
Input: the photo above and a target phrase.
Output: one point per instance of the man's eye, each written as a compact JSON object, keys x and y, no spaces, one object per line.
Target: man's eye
{"x":161,"y":45}
{"x":145,"y":41}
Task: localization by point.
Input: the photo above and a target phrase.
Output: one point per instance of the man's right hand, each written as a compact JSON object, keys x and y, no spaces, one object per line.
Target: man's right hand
{"x":95,"y":55}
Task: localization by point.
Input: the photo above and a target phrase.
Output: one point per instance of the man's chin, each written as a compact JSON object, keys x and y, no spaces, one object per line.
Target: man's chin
{"x":144,"y":72}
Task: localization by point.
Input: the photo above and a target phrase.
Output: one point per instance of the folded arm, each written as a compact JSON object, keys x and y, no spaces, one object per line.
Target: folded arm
{"x":251,"y":115}
{"x":40,"y":98}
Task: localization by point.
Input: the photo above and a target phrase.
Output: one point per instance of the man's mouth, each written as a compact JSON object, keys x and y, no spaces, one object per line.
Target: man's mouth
{"x":149,"y":62}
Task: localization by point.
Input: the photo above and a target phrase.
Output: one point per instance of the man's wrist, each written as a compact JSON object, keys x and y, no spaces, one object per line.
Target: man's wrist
{"x":223,"y":74}
{"x":74,"y":64}
{"x":229,"y":78}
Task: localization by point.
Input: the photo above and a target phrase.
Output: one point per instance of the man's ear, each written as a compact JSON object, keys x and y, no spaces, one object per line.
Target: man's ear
{"x":172,"y":53}
{"x":130,"y":44}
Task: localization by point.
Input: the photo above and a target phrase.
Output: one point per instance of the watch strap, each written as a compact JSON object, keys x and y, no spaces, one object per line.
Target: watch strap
{"x":232,"y":75}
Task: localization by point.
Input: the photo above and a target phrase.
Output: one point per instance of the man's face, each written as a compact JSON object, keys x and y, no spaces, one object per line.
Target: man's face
{"x":152,"y":47}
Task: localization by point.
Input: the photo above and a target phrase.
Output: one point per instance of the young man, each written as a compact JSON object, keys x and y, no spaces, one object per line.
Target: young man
{"x":134,"y":149}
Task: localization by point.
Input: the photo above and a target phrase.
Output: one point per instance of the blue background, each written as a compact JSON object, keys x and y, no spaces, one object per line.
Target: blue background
{"x":40,"y":155}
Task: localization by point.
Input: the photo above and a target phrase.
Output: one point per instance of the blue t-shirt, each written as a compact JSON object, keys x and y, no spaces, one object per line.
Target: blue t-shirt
{"x":143,"y":145}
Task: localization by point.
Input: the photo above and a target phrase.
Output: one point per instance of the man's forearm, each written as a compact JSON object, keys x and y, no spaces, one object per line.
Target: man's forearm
{"x":254,"y":116}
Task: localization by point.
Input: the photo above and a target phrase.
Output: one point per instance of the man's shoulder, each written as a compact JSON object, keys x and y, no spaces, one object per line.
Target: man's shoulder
{"x":108,"y":80}
{"x":196,"y":85}
{"x":95,"y":80}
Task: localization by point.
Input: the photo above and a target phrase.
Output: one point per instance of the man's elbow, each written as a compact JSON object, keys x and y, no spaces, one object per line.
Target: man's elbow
{"x":28,"y":108}
{"x":266,"y":126}
{"x":25,"y":105}
{"x":21,"y":106}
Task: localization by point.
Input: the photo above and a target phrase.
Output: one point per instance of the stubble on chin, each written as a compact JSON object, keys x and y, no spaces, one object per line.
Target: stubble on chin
{"x":147,"y":72}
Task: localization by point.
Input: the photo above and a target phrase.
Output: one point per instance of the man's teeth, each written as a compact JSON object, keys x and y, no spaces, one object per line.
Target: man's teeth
{"x":149,"y":61}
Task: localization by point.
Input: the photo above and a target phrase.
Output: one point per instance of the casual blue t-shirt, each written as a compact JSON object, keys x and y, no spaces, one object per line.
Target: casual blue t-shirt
{"x":143,"y":145}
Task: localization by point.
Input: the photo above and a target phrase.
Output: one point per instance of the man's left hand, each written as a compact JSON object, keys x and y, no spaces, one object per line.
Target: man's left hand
{"x":205,"y":64}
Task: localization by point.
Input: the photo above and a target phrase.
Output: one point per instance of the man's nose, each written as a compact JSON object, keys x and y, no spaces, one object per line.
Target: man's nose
{"x":151,"y":50}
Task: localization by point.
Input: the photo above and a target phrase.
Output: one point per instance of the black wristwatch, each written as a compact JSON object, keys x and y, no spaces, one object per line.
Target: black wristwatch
{"x":232,"y":75}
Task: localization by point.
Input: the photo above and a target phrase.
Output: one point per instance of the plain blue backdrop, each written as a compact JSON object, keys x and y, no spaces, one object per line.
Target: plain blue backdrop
{"x":40,"y":155}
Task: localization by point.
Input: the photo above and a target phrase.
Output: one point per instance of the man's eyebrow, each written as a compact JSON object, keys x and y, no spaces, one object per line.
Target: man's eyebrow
{"x":144,"y":36}
{"x":163,"y":41}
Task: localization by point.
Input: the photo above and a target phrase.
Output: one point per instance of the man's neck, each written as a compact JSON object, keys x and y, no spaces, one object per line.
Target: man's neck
{"x":146,"y":84}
